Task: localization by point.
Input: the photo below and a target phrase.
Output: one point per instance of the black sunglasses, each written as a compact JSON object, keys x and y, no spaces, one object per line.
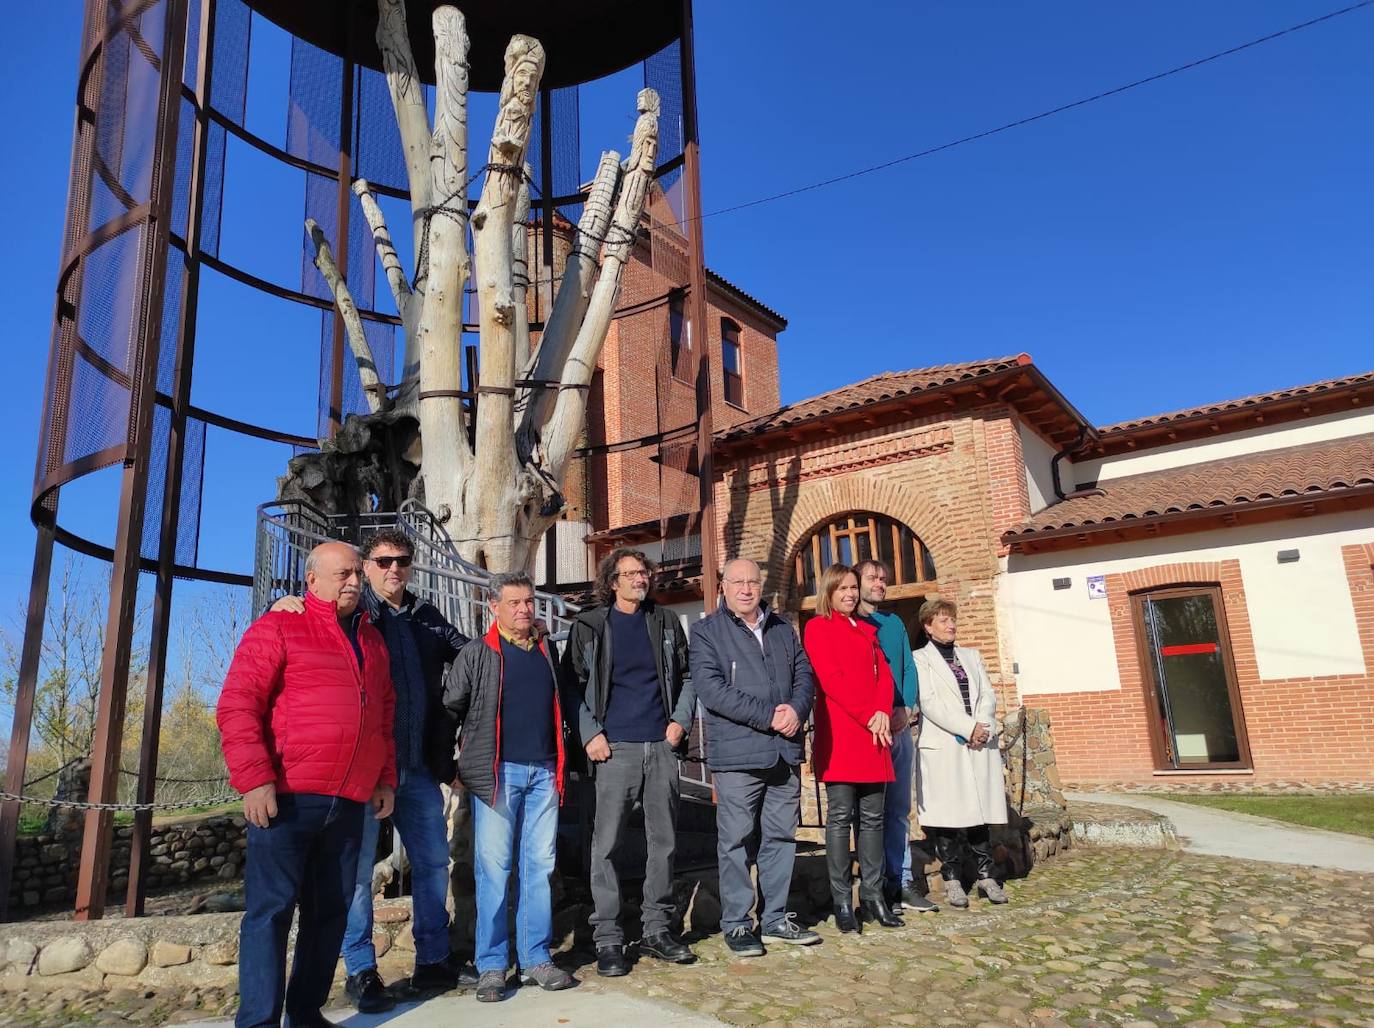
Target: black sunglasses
{"x":386,"y":562}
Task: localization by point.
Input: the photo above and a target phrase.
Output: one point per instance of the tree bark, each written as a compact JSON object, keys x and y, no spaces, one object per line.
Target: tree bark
{"x":373,"y":388}
{"x":491,"y":491}
{"x":447,"y":456}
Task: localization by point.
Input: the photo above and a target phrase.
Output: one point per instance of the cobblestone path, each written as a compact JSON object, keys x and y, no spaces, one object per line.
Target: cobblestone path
{"x":1111,"y":937}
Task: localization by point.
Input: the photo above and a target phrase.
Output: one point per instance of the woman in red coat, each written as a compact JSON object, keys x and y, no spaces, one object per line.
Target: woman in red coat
{"x":853,"y":751}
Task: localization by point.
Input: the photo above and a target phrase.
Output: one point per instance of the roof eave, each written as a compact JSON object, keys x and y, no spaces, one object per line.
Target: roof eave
{"x":1058,"y":536}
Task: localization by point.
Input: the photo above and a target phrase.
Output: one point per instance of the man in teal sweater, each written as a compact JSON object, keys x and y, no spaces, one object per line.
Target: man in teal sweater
{"x":901,"y":892}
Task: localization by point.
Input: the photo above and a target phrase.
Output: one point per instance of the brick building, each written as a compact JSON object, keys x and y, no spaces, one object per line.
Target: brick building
{"x":1191,"y":595}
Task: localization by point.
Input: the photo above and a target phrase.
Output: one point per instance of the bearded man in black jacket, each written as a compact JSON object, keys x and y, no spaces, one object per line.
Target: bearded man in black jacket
{"x":626,"y":664}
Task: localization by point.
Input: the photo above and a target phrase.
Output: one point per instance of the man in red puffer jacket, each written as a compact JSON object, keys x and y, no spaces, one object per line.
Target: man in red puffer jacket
{"x":305,"y":720}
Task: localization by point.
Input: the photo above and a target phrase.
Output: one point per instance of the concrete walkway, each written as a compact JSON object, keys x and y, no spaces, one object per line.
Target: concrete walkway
{"x":1224,"y":833}
{"x":586,"y":1006}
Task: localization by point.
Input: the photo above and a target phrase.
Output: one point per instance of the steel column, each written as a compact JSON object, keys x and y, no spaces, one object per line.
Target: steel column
{"x":701,"y":336}
{"x":171,"y":494}
{"x":58,"y":384}
{"x":93,"y":876}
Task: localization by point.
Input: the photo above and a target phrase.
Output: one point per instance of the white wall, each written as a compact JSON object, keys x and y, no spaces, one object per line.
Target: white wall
{"x":1254,"y":440}
{"x":1301,"y":614}
{"x":1038,"y":455}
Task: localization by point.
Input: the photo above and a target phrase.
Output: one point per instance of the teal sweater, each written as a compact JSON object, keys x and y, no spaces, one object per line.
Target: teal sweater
{"x":896,"y":648}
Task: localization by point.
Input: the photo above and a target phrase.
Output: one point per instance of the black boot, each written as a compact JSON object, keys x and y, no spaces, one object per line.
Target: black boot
{"x":987,"y":869}
{"x":845,"y":920}
{"x":878,"y":910}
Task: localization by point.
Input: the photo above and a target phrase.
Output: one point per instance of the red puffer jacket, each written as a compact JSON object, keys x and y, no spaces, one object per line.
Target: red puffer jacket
{"x":853,"y":682}
{"x":296,"y":709}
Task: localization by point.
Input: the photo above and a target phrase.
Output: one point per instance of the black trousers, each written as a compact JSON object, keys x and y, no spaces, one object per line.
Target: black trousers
{"x":952,"y":846}
{"x":849,"y":805}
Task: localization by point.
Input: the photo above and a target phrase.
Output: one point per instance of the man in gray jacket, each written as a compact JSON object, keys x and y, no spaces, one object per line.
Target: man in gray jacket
{"x":756,"y":685}
{"x":626,"y":662}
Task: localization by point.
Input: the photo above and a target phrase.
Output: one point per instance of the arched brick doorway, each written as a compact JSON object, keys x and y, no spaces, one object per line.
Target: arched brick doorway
{"x":864,"y":535}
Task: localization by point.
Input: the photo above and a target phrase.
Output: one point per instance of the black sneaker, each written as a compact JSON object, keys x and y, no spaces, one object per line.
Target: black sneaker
{"x":787,"y":930}
{"x":916,"y":903}
{"x":743,"y":943}
{"x":611,"y":962}
{"x":667,"y":946}
{"x":368,"y":992}
{"x":443,"y":975}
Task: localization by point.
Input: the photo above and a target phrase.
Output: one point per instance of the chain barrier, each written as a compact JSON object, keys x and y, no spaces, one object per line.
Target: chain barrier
{"x":212,"y":801}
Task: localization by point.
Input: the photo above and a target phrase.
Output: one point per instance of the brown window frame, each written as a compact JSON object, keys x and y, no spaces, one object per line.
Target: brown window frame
{"x":1160,"y":745}
{"x":907,"y":583}
{"x":730,"y":336}
{"x":679,"y":342}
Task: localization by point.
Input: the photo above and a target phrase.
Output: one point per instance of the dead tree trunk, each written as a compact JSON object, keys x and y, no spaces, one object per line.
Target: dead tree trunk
{"x":498,"y":494}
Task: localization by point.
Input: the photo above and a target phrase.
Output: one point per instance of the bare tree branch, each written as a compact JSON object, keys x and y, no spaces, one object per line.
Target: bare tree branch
{"x":574,"y":293}
{"x":353,"y":324}
{"x":386,"y":251}
{"x":408,"y":99}
{"x":571,"y":408}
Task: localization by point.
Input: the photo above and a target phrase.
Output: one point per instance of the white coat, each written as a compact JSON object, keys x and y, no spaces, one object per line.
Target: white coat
{"x":957,"y":787}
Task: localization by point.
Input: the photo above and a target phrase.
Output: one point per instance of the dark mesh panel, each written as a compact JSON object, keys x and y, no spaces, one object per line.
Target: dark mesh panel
{"x":171,"y":320}
{"x":326,"y":373}
{"x":312,"y":120}
{"x":229,"y":96}
{"x":216,"y":146}
{"x":192,"y":477}
{"x":377,"y":153}
{"x":109,"y":199}
{"x":233,"y":35}
{"x":192,"y":61}
{"x":181,"y":190}
{"x":567,"y":172}
{"x":663,"y":72}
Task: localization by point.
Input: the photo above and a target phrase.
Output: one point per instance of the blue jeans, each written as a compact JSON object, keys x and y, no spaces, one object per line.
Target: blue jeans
{"x":308,"y":855}
{"x":897,"y":812}
{"x":526,"y":809}
{"x":419,"y":821}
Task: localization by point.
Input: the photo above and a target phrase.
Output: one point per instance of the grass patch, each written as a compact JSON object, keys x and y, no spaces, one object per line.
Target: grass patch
{"x":1352,"y":813}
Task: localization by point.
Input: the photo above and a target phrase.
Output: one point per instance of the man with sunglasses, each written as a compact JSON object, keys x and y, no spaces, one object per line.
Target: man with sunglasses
{"x":420,"y":643}
{"x":626,"y":661}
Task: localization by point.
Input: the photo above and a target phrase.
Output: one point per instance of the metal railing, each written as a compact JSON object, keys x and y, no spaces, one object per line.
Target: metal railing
{"x":288,"y":530}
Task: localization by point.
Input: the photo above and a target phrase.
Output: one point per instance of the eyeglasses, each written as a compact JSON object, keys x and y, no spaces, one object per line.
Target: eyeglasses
{"x":755,"y":582}
{"x":640,"y":573}
{"x":385,"y":562}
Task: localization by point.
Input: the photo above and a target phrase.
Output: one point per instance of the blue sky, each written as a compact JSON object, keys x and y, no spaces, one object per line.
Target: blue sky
{"x":1200,"y":238}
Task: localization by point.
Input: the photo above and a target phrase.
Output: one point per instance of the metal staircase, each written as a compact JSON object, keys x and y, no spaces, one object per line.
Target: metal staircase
{"x":289,"y":530}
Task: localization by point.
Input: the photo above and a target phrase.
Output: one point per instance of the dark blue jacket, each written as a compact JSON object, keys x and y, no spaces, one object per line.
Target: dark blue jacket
{"x":419,"y":658}
{"x":740,"y":683}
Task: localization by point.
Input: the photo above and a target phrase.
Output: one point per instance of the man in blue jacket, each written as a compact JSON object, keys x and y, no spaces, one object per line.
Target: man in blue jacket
{"x":755,"y":683}
{"x":900,"y":890}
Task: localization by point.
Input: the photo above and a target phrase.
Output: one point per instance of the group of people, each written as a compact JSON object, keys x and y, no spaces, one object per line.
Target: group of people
{"x":355,"y":702}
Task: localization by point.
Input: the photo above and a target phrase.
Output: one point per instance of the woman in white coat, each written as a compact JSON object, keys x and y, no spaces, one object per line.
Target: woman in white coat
{"x":959,"y":790}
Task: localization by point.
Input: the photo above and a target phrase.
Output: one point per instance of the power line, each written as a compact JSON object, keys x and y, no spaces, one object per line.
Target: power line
{"x":1034,"y":117}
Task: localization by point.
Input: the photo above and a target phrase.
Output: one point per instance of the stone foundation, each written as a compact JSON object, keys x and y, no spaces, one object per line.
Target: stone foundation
{"x":204,"y":848}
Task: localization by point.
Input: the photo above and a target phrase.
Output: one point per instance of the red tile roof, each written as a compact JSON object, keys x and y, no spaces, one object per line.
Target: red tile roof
{"x":1294,"y":472}
{"x":1316,"y":389}
{"x":890,"y":385}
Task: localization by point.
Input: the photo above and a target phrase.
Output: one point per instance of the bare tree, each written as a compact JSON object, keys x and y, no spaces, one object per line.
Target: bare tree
{"x":499,"y":494}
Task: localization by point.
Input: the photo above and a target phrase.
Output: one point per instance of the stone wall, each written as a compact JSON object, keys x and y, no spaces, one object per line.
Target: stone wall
{"x":184,"y":851}
{"x":1039,"y":825}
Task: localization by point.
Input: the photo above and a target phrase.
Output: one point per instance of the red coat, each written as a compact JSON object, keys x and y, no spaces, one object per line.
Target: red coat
{"x":297,"y":710}
{"x":853,"y":682}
